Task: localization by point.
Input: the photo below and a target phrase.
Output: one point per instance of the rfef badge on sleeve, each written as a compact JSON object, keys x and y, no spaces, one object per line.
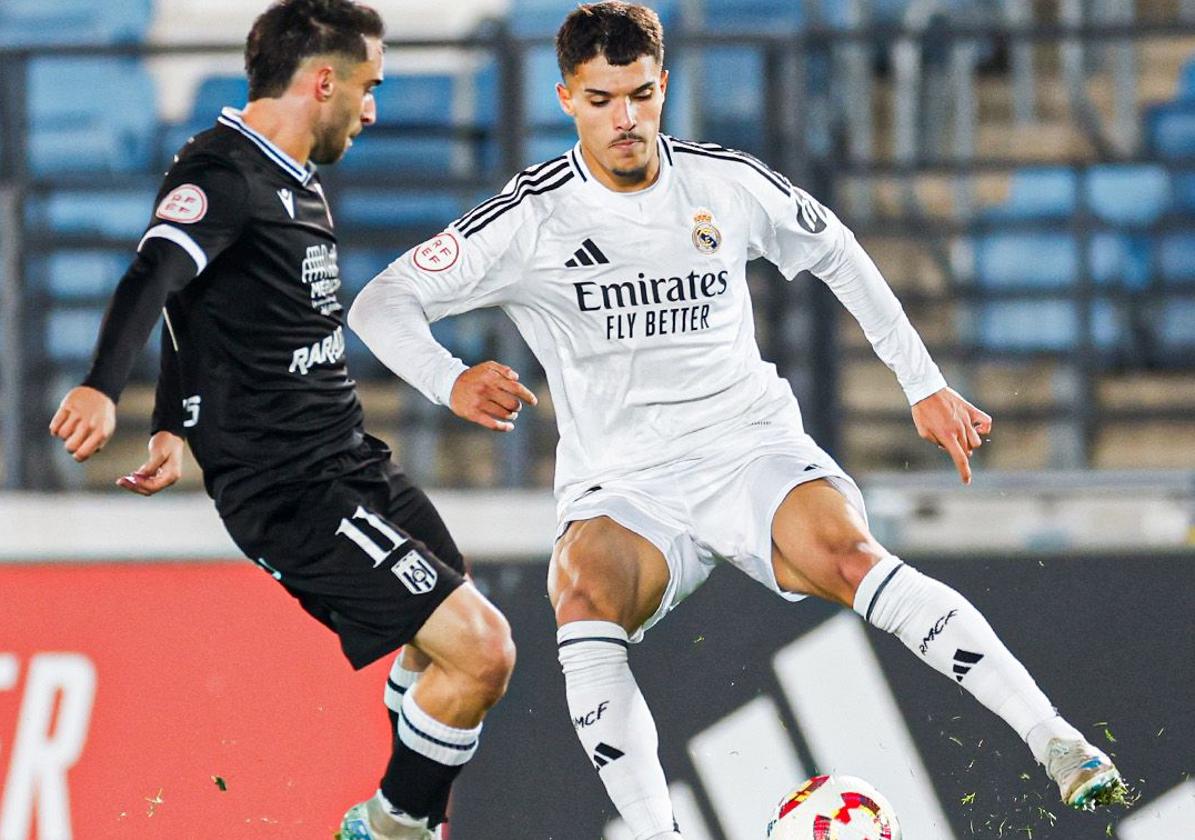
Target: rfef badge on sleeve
{"x":438,"y":253}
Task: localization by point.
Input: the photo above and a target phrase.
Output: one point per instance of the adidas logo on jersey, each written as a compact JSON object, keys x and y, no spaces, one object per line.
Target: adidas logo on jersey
{"x":587,"y":254}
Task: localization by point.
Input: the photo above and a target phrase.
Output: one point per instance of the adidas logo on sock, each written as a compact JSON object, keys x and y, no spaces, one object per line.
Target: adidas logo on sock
{"x":587,"y":254}
{"x":964,"y":661}
{"x":603,"y":754}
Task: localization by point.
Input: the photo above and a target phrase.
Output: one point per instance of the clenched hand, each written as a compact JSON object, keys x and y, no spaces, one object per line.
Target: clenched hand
{"x":490,"y":395}
{"x":85,"y":419}
{"x":954,"y":424}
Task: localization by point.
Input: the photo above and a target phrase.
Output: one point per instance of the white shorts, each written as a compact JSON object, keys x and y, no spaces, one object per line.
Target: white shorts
{"x":715,"y":507}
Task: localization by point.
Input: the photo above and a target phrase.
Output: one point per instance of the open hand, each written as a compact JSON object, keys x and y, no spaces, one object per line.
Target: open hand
{"x":85,"y":419}
{"x":163,"y":467}
{"x":490,"y":395}
{"x":954,"y":424}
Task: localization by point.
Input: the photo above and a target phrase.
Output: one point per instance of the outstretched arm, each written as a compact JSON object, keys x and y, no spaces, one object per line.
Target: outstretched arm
{"x":391,"y":321}
{"x":939,"y":413}
{"x":86,"y":418}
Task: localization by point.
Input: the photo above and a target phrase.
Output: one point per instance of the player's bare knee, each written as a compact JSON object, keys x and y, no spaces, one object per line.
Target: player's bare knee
{"x":852,"y":561}
{"x":491,"y":659}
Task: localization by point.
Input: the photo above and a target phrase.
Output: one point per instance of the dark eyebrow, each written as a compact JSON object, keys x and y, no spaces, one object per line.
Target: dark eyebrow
{"x":643,"y":87}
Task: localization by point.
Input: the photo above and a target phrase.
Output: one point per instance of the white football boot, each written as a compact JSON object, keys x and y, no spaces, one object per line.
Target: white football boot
{"x":368,"y":820}
{"x":1086,"y":777}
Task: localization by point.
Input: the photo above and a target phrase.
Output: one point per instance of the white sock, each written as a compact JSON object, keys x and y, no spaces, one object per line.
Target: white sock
{"x":432,"y":739}
{"x":397,"y":684}
{"x":944,"y":629}
{"x":614,"y":725}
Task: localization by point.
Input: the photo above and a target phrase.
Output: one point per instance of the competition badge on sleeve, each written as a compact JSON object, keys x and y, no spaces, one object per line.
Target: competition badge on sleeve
{"x":186,"y":205}
{"x":706,"y":237}
{"x":438,"y":253}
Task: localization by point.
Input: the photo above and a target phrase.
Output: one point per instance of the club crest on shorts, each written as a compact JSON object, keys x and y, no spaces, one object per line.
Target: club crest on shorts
{"x":416,"y":574}
{"x":706,"y":237}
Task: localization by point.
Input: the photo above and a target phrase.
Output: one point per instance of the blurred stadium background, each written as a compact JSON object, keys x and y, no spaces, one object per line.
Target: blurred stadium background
{"x":1023,"y":171}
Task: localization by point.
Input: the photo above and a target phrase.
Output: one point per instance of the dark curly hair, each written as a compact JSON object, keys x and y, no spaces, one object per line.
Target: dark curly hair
{"x":292,"y":30}
{"x":620,"y":31}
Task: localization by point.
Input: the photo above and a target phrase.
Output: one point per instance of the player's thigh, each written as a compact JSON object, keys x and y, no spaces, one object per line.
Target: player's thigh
{"x":821,"y":544}
{"x":601,"y":570}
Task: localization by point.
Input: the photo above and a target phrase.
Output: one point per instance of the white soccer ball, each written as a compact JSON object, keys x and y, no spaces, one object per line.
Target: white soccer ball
{"x":834,"y":808}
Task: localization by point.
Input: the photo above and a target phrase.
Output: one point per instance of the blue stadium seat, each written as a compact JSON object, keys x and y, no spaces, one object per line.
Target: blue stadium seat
{"x":73,"y":21}
{"x":368,"y":208}
{"x":71,"y":334}
{"x":114,"y":213}
{"x":1170,"y":129}
{"x":733,"y":16}
{"x":1184,"y":191}
{"x":1186,"y":81}
{"x":1175,"y":326}
{"x":407,"y":102}
{"x":1177,"y":257}
{"x":1049,"y":192}
{"x":211,"y":96}
{"x":1130,"y":195}
{"x":1045,"y":325}
{"x":1042,"y":260}
{"x":532,"y":18}
{"x":1120,"y":259}
{"x":76,"y":274}
{"x":72,"y":129}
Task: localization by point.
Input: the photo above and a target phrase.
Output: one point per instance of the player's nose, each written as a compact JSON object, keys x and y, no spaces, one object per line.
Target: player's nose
{"x":369,"y":112}
{"x":625,"y":115}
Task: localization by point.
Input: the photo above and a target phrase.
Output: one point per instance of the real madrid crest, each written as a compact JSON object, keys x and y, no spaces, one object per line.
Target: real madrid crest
{"x":706,"y":237}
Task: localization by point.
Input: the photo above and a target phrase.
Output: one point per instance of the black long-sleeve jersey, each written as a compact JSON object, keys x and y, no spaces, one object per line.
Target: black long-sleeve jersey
{"x":241,"y":253}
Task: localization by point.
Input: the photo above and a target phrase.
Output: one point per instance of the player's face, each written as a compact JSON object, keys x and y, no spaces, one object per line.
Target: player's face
{"x":351,"y":107}
{"x":617,"y":110}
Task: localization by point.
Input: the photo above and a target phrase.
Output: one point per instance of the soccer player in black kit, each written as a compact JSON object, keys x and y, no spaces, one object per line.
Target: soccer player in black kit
{"x":241,"y":258}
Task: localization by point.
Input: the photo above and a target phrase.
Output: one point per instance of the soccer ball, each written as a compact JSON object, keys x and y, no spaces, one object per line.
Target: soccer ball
{"x":834,"y":808}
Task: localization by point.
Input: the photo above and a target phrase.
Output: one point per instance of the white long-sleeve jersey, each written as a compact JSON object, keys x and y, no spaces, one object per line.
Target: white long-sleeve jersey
{"x":636,"y":304}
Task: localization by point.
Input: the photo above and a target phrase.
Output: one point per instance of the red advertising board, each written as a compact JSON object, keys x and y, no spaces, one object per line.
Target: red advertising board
{"x":181,"y":701}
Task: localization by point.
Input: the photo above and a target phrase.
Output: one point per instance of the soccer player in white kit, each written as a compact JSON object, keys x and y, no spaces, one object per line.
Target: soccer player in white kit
{"x":622,"y":262}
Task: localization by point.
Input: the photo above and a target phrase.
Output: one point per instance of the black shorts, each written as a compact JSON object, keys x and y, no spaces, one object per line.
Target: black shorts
{"x":367,"y":554}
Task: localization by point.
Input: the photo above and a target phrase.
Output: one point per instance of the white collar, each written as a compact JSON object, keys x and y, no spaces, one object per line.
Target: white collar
{"x":232,"y":118}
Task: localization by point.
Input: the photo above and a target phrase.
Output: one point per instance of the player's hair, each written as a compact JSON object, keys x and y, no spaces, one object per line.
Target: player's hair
{"x":292,"y":30}
{"x":622,"y":32}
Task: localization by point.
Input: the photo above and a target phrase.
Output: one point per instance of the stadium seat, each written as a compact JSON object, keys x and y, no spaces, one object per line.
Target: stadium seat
{"x":1130,"y":195}
{"x":71,"y":334}
{"x":749,"y":16}
{"x":1175,"y":327}
{"x":1184,"y":191}
{"x":113,"y":213}
{"x":407,"y":103}
{"x":1170,"y":129}
{"x":1186,"y":82}
{"x":1120,"y":259}
{"x":73,"y":21}
{"x":211,"y":96}
{"x":74,"y":274}
{"x":1049,"y":192}
{"x":1029,"y":325}
{"x":392,"y":209}
{"x":1177,"y":257}
{"x":72,"y":130}
{"x":1041,"y":260}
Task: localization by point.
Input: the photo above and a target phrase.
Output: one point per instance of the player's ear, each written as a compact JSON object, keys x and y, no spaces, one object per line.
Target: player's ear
{"x":565,"y":96}
{"x":663,"y":83}
{"x":325,"y":82}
